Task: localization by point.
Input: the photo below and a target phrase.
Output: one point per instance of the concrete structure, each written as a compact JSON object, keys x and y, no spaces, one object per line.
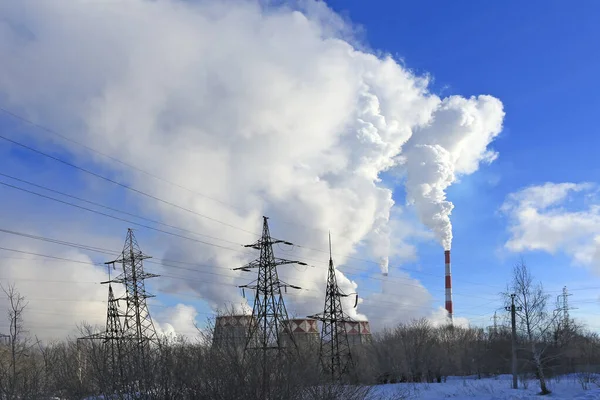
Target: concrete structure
{"x":304,"y":330}
{"x":449,"y":307}
{"x":231,"y":330}
{"x":359,"y":332}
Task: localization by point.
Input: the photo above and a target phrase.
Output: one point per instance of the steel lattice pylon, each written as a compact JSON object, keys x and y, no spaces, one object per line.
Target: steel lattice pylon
{"x":112,"y":339}
{"x":334,"y":353}
{"x":269,"y":315}
{"x":137,"y":323}
{"x":127,"y":342}
{"x":138,"y":328}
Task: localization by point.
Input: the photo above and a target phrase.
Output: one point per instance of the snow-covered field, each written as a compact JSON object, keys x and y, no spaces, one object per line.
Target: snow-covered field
{"x":565,"y":387}
{"x":498,"y":388}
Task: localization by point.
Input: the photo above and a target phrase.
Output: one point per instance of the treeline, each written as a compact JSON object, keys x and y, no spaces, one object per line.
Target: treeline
{"x":420,"y":352}
{"x":184,"y":369}
{"x":549,"y":344}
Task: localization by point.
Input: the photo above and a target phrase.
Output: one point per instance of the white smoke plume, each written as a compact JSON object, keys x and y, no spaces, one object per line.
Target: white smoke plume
{"x":453,"y":143}
{"x":269,"y":110}
{"x":429,"y":173}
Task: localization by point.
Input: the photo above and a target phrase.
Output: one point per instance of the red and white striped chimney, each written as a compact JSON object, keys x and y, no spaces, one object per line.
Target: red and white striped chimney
{"x":448,"y":285}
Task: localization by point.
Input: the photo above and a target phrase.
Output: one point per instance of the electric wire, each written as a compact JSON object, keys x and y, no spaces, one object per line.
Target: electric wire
{"x":168,"y":262}
{"x":133,"y":167}
{"x":114,"y":209}
{"x":130,"y":188}
{"x":154,"y":198}
{"x":187,"y":279}
{"x":141,"y":192}
{"x":346,"y":267}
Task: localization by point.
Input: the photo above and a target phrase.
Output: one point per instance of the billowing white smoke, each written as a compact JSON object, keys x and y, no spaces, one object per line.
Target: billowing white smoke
{"x":453,"y":143}
{"x":429,"y":172}
{"x":270,"y":111}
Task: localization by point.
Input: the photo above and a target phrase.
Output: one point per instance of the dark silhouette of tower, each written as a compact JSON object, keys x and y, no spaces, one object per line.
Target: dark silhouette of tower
{"x":335,"y":355}
{"x":137,"y":323}
{"x":112,"y":339}
{"x":269,"y":315}
{"x":138,"y":332}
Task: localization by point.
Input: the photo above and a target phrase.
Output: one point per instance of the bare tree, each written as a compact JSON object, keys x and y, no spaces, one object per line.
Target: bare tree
{"x":535,"y":320}
{"x":21,"y":369}
{"x":11,"y":371}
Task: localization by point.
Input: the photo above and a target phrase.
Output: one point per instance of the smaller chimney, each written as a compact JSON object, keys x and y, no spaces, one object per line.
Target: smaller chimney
{"x":448,"y":285}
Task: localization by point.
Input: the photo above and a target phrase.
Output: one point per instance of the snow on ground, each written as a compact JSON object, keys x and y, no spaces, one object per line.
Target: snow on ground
{"x":499,"y":388}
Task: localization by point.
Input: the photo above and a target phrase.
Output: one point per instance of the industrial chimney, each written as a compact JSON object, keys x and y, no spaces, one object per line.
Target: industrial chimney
{"x":448,"y":285}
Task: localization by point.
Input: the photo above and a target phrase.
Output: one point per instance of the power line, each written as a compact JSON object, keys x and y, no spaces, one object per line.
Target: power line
{"x":144,"y":193}
{"x":138,"y":169}
{"x":188,"y":279}
{"x":114,"y":209}
{"x":196,"y":296}
{"x":140,"y":192}
{"x":117,"y":218}
{"x":175,"y":227}
{"x":165,"y":262}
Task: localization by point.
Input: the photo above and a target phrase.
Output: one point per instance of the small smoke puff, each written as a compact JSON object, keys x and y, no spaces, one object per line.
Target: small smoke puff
{"x":177,"y":321}
{"x":439,"y":317}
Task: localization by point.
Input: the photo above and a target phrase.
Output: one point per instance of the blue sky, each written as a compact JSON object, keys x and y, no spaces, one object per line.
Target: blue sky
{"x":539,"y":58}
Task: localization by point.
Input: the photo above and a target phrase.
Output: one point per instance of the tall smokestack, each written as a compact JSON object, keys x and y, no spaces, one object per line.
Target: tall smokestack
{"x":383,"y":264}
{"x":448,"y":285}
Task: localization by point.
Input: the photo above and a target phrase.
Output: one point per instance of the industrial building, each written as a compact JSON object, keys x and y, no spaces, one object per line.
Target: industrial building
{"x":304,"y":330}
{"x":359,"y":332}
{"x":231,"y":330}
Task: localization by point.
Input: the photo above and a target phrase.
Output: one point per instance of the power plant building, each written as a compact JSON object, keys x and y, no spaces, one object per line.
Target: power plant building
{"x":359,"y":332}
{"x":304,"y":330}
{"x":231,"y":330}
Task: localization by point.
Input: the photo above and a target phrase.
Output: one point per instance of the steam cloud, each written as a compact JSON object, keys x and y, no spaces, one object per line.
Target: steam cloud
{"x":454,"y":142}
{"x":272,"y":111}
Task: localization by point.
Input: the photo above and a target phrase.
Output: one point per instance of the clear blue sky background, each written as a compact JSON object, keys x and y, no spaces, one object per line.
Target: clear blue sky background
{"x":540,"y":58}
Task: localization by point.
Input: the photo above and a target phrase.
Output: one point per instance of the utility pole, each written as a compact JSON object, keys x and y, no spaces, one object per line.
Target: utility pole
{"x":334,"y":353}
{"x":513,"y":320}
{"x":269,"y":315}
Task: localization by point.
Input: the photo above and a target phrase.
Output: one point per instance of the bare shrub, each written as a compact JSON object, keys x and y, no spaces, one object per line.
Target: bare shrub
{"x":586,"y":379}
{"x":336,"y":392}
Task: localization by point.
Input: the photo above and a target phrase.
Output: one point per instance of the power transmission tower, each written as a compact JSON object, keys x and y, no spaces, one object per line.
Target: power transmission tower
{"x":269,"y":315}
{"x":138,"y":332}
{"x":112,"y":339}
{"x":495,"y":323}
{"x":513,"y":320}
{"x":563,"y":305}
{"x":334,"y":353}
{"x":494,"y":328}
